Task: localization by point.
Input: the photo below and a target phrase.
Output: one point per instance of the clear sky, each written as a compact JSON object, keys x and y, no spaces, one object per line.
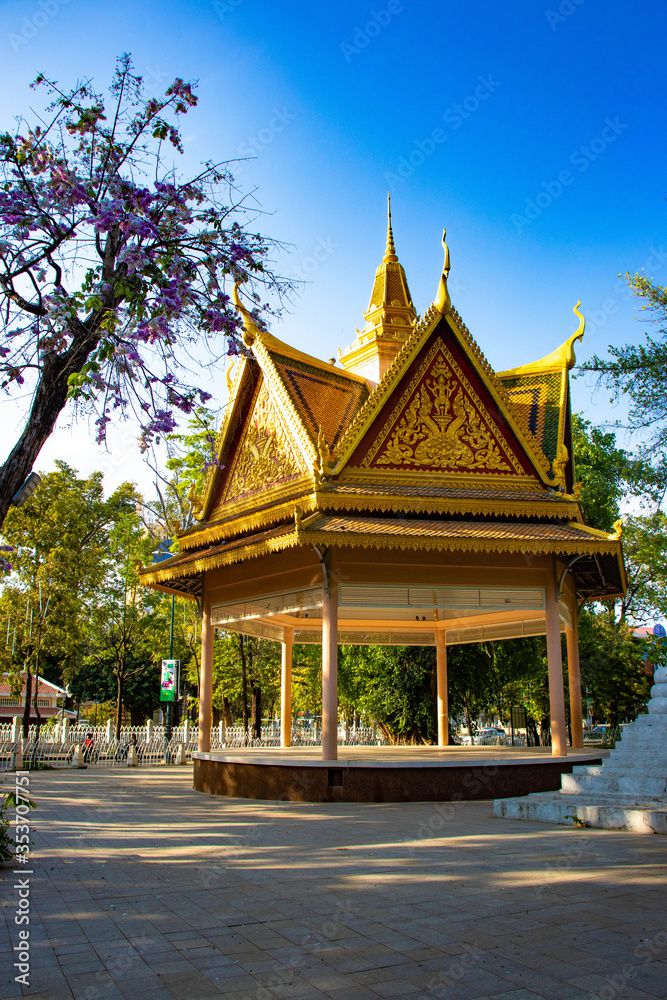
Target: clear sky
{"x":533,"y":130}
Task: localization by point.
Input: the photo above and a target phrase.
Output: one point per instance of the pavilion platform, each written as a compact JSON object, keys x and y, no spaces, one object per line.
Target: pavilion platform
{"x":385,"y":774}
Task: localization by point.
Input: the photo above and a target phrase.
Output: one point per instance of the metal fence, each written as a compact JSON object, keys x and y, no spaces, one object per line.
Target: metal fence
{"x":141,"y":746}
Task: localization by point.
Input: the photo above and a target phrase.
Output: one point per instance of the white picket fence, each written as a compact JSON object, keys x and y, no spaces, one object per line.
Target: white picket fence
{"x":97,"y":746}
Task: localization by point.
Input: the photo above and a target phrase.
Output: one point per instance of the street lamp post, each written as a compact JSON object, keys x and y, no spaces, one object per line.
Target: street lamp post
{"x":168,"y":725}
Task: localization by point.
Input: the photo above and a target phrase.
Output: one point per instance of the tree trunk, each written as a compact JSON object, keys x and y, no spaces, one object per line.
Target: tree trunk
{"x":28,"y":695}
{"x":433,"y":734}
{"x":545,"y":731}
{"x":119,"y":703}
{"x":227,"y":711}
{"x":467,"y":718}
{"x":257,"y":711}
{"x":38,"y":717}
{"x":531,"y":731}
{"x":49,"y":399}
{"x":244,"y":684}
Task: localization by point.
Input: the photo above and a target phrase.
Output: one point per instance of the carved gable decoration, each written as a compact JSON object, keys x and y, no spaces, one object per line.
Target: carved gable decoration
{"x":265,"y":456}
{"x":440,"y":424}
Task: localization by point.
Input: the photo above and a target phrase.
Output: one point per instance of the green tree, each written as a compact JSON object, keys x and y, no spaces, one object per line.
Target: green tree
{"x":60,"y":539}
{"x":189,"y":457}
{"x":607,"y":473}
{"x":111,"y":265}
{"x":246,"y":679}
{"x":645,"y":548}
{"x":637,"y":373}
{"x":124,"y":626}
{"x":613,"y":669}
{"x":394,"y":685}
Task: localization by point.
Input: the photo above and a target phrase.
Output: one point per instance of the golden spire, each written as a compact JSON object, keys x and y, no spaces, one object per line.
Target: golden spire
{"x":390,"y":251}
{"x":389,"y":319}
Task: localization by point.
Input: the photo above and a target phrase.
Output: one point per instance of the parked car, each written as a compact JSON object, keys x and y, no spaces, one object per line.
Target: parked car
{"x":596,"y":734}
{"x":488,"y":735}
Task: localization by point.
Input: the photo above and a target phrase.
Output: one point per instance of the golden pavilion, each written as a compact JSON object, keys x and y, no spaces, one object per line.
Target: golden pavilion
{"x":404,"y":494}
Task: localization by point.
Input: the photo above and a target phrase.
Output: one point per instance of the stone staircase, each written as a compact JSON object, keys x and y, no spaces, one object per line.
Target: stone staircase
{"x":628,"y":791}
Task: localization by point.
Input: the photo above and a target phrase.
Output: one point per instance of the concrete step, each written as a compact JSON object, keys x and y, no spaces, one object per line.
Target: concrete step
{"x":634,"y":765}
{"x":623,"y":769}
{"x":547,"y":807}
{"x":615,"y":784}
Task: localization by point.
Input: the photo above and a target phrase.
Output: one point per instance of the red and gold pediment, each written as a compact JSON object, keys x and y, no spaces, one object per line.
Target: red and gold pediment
{"x":440,"y":424}
{"x":265,"y":457}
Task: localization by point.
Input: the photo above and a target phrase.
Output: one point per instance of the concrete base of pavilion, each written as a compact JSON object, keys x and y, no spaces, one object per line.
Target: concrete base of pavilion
{"x":384,"y":774}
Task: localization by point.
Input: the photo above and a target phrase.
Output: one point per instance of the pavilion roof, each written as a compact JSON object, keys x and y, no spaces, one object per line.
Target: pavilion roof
{"x":442,"y":453}
{"x":444,"y":535}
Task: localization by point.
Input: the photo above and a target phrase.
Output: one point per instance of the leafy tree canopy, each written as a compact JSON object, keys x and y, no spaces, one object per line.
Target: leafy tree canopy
{"x":607,"y":473}
{"x":113,"y":269}
{"x":60,"y":547}
{"x":637,"y":373}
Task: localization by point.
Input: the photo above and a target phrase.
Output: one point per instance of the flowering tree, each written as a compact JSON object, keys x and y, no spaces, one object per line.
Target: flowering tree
{"x":114,"y":273}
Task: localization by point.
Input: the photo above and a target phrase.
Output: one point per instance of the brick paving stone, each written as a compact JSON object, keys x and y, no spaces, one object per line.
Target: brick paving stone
{"x":146,"y":890}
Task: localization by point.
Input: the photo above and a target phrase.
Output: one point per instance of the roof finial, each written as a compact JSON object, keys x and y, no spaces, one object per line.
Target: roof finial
{"x":443,"y":303}
{"x":390,"y":252}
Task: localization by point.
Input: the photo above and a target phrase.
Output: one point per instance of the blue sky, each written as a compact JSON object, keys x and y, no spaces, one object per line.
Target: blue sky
{"x":533,"y":131}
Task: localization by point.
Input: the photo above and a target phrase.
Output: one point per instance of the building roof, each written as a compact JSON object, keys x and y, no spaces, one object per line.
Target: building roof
{"x":46,"y":688}
{"x":442,"y":452}
{"x":541,"y":392}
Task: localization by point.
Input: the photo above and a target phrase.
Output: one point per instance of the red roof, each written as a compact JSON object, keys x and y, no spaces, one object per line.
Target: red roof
{"x":46,"y":688}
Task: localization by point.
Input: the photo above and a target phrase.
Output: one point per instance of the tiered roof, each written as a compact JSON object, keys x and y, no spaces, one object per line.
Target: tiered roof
{"x":442,"y":452}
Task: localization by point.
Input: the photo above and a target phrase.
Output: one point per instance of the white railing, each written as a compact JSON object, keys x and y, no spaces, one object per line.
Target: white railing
{"x":97,"y":746}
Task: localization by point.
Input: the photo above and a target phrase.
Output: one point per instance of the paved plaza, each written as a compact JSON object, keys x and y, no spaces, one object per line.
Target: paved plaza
{"x":146,"y":890}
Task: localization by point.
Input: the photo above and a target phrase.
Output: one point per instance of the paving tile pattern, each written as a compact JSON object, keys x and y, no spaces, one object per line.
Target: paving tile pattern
{"x":146,"y":890}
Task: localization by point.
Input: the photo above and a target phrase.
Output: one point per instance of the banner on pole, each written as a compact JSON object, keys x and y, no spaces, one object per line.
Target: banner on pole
{"x":169,"y":680}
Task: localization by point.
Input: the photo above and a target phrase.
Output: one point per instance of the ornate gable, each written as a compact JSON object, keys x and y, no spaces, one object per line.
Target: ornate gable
{"x":440,"y":423}
{"x":440,"y":410}
{"x":265,"y":457}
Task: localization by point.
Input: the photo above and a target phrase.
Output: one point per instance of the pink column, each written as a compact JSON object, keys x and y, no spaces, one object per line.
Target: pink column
{"x":330,"y":670}
{"x":286,"y":690}
{"x":206,"y":679}
{"x":555,"y":659}
{"x":441,"y":676}
{"x":574,"y":677}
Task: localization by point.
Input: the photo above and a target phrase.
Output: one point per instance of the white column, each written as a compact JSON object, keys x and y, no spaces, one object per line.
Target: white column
{"x":555,"y":659}
{"x":330,"y":671}
{"x":206,"y":680}
{"x":441,"y":676}
{"x":286,"y":690}
{"x":574,"y":678}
